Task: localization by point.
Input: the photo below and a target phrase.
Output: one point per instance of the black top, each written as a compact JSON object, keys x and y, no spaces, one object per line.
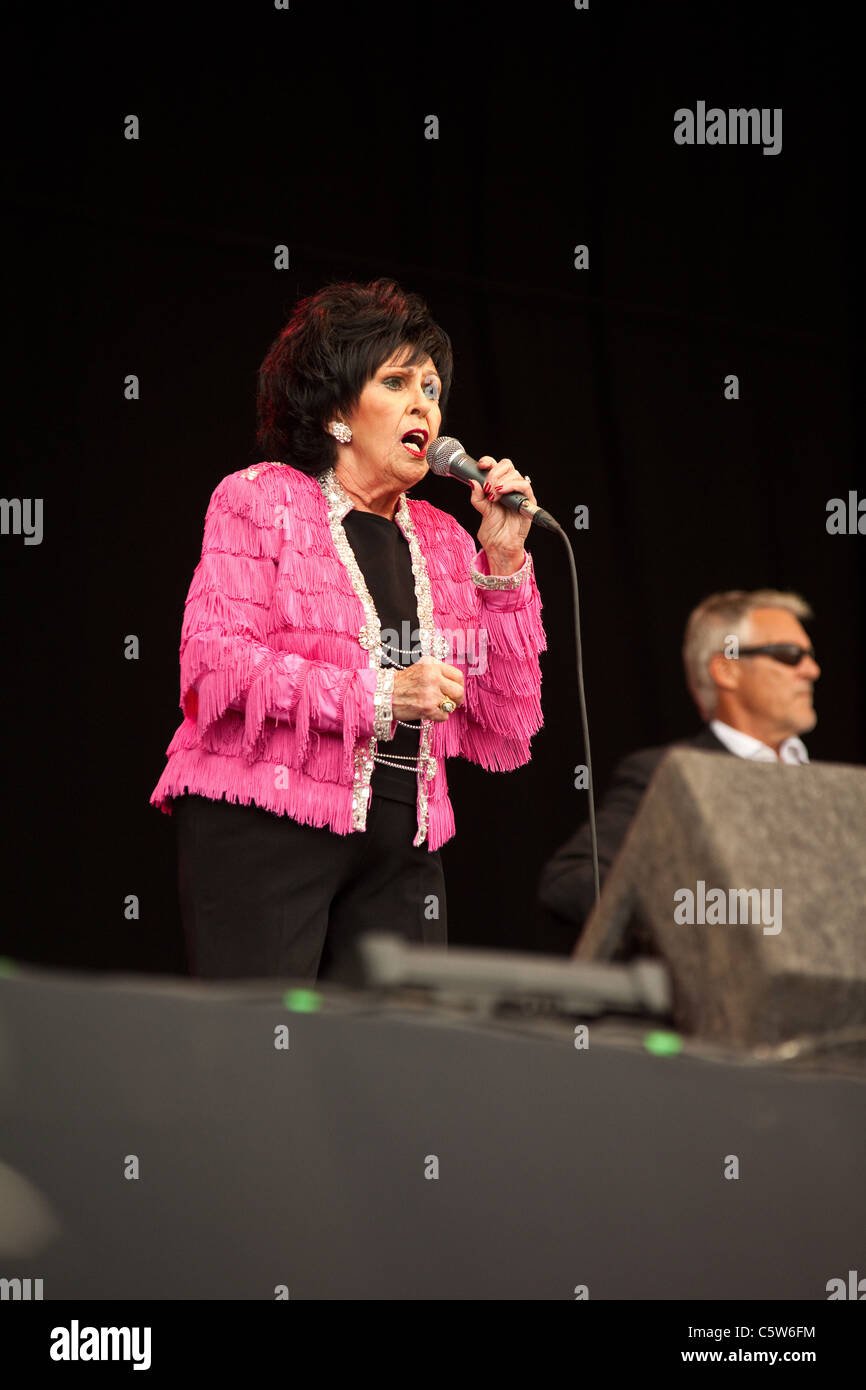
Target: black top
{"x":384,"y":560}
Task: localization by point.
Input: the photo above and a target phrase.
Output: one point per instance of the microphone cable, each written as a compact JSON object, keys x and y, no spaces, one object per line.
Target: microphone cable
{"x":581,"y":696}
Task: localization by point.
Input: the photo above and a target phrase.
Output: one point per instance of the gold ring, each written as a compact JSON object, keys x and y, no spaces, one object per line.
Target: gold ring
{"x":447,"y":706}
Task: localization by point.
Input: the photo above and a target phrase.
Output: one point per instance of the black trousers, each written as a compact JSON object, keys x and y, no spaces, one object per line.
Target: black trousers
{"x":262,"y":895}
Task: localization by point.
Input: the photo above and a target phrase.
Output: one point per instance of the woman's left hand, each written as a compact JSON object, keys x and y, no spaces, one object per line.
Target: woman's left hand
{"x":502,"y":531}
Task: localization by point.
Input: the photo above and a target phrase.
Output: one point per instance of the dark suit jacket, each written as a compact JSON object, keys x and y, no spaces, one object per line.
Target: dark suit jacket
{"x":566,"y":886}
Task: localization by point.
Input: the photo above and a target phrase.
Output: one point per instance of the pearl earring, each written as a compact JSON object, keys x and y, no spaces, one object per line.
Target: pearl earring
{"x":341,"y":432}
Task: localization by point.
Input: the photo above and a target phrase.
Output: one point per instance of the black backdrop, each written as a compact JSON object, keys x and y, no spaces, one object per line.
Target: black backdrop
{"x":306,"y":127}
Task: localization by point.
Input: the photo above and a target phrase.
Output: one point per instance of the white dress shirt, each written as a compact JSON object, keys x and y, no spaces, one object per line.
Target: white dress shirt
{"x":792,"y":751}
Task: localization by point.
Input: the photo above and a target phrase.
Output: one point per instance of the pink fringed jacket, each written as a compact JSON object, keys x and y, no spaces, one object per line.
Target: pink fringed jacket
{"x":281,"y":686}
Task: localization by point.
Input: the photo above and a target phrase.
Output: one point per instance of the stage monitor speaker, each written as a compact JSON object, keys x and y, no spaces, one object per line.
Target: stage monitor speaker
{"x":750,"y":880}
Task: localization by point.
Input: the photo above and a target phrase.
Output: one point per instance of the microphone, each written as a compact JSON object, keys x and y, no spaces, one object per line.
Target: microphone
{"x":447,"y":457}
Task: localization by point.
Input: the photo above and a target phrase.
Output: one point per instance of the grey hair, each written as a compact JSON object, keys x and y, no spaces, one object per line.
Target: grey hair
{"x":721,"y":616}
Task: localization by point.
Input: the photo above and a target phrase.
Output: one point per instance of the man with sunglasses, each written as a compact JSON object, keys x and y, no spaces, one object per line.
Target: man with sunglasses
{"x":750,"y":668}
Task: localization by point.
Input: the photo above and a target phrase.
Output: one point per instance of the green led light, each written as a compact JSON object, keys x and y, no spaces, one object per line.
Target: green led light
{"x":302,"y":1001}
{"x":7,"y":966}
{"x":663,"y":1044}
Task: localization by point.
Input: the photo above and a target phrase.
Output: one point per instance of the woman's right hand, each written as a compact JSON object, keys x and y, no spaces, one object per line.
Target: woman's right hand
{"x":419,"y":690}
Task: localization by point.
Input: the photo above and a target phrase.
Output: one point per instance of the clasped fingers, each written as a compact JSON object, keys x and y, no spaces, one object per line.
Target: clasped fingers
{"x":422,"y":689}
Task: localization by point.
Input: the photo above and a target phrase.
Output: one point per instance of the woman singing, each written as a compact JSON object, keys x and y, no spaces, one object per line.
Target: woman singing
{"x":340,"y":640}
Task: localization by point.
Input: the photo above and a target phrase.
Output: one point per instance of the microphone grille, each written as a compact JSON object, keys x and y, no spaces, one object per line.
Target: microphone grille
{"x":441,"y":452}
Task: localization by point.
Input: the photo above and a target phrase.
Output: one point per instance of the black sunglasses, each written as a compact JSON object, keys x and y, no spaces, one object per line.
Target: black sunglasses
{"x":786,"y":652}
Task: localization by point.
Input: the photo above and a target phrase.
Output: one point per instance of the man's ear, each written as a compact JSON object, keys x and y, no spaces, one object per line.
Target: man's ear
{"x":724,"y":671}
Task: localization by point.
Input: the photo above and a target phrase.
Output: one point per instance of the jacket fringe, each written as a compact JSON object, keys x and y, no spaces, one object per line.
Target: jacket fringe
{"x":272,"y":689}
